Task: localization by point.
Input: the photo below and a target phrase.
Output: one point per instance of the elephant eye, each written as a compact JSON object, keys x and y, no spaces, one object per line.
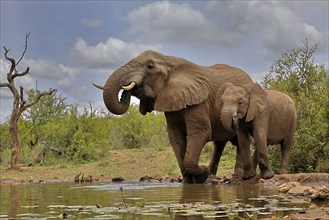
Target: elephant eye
{"x":240,"y":102}
{"x":150,"y":66}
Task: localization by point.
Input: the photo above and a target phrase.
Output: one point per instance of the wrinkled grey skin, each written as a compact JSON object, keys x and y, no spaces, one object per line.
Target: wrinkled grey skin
{"x":185,"y":92}
{"x":269,"y":116}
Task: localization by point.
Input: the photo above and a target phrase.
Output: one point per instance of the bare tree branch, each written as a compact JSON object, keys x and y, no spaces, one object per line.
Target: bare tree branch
{"x":21,"y":94}
{"x":91,"y":110}
{"x":26,"y":37}
{"x":4,"y":85}
{"x":13,"y":63}
{"x":50,"y":92}
{"x":21,"y":74}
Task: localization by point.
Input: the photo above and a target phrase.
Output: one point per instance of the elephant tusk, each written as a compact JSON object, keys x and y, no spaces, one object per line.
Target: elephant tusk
{"x":98,"y":86}
{"x":129,"y":87}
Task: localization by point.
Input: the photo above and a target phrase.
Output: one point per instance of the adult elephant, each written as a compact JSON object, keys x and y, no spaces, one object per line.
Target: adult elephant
{"x":185,"y":92}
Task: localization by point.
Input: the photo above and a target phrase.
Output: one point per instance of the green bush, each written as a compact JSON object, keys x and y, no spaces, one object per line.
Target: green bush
{"x":67,"y":136}
{"x":307,"y":83}
{"x":133,"y":130}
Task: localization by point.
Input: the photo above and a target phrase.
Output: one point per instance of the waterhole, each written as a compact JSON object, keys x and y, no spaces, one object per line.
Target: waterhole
{"x":143,"y":201}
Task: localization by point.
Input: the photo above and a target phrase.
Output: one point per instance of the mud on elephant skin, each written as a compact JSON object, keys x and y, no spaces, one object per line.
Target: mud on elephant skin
{"x":185,"y":92}
{"x":269,"y":116}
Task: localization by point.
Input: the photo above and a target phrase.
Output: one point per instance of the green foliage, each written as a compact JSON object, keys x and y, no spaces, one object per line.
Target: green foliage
{"x":53,"y":131}
{"x":5,"y":143}
{"x":133,"y":130}
{"x":307,"y":84}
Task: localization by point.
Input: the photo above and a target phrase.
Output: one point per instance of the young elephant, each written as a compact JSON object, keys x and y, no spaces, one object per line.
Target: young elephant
{"x":269,"y":116}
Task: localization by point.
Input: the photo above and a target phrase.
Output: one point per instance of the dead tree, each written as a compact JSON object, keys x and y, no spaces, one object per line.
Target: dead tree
{"x":19,"y":104}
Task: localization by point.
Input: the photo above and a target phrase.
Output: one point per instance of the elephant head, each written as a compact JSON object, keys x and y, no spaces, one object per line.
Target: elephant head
{"x":239,"y":103}
{"x":162,"y":83}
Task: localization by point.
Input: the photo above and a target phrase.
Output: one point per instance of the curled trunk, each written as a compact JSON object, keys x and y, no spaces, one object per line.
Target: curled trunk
{"x":111,"y":91}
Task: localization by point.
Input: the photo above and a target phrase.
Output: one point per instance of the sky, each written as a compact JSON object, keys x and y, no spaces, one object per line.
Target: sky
{"x":75,"y":43}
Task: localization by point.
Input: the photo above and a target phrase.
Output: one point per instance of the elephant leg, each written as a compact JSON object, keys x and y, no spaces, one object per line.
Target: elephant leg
{"x":195,"y":145}
{"x":238,"y":168}
{"x":255,"y":159}
{"x":243,"y":154}
{"x":198,"y":134}
{"x":260,"y":137}
{"x":218,"y":151}
{"x":286,"y":146}
{"x":178,"y":142}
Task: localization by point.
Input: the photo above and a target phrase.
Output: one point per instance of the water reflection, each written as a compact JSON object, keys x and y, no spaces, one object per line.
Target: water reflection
{"x":14,"y":201}
{"x":164,"y":200}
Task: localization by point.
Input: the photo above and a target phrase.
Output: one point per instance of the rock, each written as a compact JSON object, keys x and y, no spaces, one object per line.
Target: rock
{"x":300,"y":191}
{"x":118,"y":179}
{"x":321,"y":193}
{"x":145,"y":179}
{"x":287,"y":186}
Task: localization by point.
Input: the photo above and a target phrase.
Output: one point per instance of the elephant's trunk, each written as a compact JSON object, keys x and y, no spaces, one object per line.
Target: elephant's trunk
{"x":229,"y":119}
{"x":118,"y":80}
{"x":235,"y":123}
{"x":110,"y":94}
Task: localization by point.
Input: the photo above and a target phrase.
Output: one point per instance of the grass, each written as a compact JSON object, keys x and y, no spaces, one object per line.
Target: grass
{"x":130,"y":164}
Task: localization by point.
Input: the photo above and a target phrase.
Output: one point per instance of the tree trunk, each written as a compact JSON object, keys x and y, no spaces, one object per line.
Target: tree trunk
{"x":16,"y":145}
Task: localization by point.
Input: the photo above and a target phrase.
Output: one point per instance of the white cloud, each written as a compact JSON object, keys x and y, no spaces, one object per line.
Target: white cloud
{"x":223,"y":23}
{"x":68,"y":80}
{"x":4,"y":69}
{"x":110,"y":54}
{"x":168,"y":22}
{"x":93,"y":23}
{"x":57,"y":75}
{"x":277,"y":26}
{"x":4,"y":112}
{"x":44,"y":68}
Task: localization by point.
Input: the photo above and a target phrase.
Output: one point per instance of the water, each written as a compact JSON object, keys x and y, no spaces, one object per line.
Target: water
{"x":142,"y":201}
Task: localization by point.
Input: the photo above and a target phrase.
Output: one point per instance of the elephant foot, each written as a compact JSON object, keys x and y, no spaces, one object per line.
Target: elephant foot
{"x":266,"y":173}
{"x":187,"y":179}
{"x":197,"y":176}
{"x":248,"y":174}
{"x":282,"y":171}
{"x":203,"y":175}
{"x":238,"y":173}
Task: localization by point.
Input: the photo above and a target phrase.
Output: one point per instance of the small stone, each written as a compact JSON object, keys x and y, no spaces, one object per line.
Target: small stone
{"x":118,"y":179}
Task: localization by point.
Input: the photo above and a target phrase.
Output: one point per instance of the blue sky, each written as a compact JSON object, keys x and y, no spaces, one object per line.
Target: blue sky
{"x":75,"y":43}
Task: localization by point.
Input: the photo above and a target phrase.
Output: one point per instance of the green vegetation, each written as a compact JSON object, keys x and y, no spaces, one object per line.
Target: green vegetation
{"x":307,"y":83}
{"x":53,"y":131}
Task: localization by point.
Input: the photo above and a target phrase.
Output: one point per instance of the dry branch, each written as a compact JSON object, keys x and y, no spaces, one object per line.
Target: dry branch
{"x":37,"y":99}
{"x":25,"y":48}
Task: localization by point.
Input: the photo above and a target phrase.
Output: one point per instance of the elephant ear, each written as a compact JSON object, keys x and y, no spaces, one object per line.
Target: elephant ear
{"x":257,"y":102}
{"x":181,"y":90}
{"x":219,"y":94}
{"x":146,"y":105}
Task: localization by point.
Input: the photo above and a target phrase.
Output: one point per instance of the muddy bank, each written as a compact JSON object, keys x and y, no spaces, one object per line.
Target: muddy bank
{"x":310,"y":187}
{"x":313,"y":186}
